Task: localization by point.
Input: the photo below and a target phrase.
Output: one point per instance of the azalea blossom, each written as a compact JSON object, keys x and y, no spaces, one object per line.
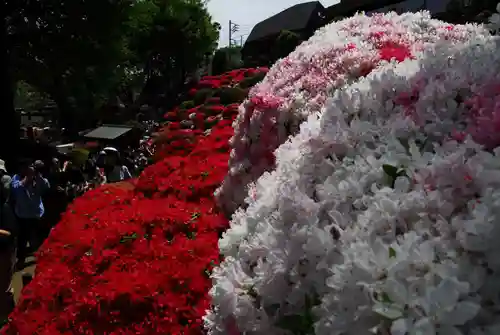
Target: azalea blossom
{"x":381,"y":214}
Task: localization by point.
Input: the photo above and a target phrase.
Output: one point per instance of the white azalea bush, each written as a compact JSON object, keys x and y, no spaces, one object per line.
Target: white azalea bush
{"x":382,"y":215}
{"x":299,"y":85}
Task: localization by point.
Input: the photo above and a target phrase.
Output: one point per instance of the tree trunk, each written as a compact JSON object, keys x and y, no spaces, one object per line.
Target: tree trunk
{"x":67,"y":117}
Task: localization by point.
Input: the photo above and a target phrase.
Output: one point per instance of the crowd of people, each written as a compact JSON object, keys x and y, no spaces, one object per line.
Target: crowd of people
{"x":33,"y":199}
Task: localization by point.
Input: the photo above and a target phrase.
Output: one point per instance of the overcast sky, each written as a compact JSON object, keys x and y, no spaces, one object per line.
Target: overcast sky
{"x":247,"y":13}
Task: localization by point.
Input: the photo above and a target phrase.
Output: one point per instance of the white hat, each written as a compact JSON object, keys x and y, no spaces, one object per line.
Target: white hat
{"x":110,"y":149}
{"x":2,"y":166}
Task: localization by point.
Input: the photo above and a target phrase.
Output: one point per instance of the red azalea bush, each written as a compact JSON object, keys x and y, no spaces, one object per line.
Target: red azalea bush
{"x":136,"y":258}
{"x":213,"y":100}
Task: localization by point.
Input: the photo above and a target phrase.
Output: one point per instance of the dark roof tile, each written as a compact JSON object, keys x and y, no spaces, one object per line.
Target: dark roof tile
{"x":293,"y":18}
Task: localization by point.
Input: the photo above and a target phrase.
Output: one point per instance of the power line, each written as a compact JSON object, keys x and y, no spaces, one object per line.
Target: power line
{"x":233,"y":28}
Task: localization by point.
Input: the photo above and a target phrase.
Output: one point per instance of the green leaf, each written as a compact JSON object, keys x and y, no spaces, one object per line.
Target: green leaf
{"x":385,"y":298}
{"x":128,"y":238}
{"x":387,"y":311}
{"x":190,"y":234}
{"x":302,"y":324}
{"x":392,"y":253}
{"x":390,"y":170}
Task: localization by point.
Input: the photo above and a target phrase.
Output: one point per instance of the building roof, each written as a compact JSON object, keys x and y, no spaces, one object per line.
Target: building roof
{"x":293,"y":18}
{"x":348,"y":8}
{"x":108,"y":132}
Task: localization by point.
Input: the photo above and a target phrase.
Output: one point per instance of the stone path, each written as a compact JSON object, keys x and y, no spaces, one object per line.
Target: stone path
{"x":17,"y":279}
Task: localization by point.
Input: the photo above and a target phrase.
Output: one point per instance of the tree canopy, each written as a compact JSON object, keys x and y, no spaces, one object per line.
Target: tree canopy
{"x":82,"y":53}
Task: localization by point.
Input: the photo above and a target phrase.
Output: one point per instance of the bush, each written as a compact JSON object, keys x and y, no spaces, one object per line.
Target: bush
{"x":188,"y":104}
{"x":251,"y":81}
{"x":382,"y":213}
{"x":220,"y":62}
{"x":229,"y":95}
{"x":136,"y":257}
{"x":292,"y":91}
{"x":202,"y":95}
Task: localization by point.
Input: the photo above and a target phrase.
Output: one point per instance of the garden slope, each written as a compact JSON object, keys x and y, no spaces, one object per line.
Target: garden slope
{"x":137,"y":260}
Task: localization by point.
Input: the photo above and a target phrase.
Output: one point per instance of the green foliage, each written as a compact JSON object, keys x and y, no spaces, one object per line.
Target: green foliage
{"x":202,"y":95}
{"x":286,"y":42}
{"x":187,"y":104}
{"x":229,"y":95}
{"x":301,"y":324}
{"x":220,"y":62}
{"x":178,"y":40}
{"x":462,"y":11}
{"x":68,"y":50}
{"x":28,"y":97}
{"x":393,"y":173}
{"x":81,"y":53}
{"x":226,"y":59}
{"x":249,"y":82}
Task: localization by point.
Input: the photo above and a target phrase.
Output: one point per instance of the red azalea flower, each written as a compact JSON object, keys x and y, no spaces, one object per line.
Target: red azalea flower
{"x":135,"y":258}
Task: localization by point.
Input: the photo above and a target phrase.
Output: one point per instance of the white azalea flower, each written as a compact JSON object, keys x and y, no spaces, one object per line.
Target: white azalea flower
{"x":382,"y":213}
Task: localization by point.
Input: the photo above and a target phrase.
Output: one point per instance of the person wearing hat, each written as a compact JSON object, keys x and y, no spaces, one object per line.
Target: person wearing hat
{"x":27,"y":189}
{"x":8,"y":232}
{"x":114,"y":170}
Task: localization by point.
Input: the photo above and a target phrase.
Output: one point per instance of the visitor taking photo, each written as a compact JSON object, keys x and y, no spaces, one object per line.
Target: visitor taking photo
{"x":114,"y":170}
{"x":8,"y":232}
{"x":28,"y":188}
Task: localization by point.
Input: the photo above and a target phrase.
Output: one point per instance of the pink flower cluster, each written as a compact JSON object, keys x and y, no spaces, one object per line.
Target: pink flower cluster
{"x":298,"y":86}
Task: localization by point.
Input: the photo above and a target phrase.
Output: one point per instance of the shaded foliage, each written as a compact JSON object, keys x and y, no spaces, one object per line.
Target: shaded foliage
{"x":82,"y":53}
{"x":286,"y":42}
{"x":226,"y":59}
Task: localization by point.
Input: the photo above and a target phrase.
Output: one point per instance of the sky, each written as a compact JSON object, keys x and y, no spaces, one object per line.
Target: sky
{"x":247,"y":13}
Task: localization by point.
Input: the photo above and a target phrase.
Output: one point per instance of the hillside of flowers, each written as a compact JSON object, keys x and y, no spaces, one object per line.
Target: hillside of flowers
{"x":136,"y":258}
{"x":299,"y":85}
{"x":361,"y":176}
{"x":380,"y":214}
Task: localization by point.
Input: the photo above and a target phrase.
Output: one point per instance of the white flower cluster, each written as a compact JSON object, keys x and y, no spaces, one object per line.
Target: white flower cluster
{"x":382,"y":215}
{"x":298,"y":86}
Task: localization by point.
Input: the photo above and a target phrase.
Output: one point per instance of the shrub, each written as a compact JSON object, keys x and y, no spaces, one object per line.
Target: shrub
{"x":251,"y":81}
{"x":382,"y":214}
{"x":135,"y":257}
{"x":229,"y":95}
{"x":202,"y":95}
{"x":187,"y":104}
{"x":298,"y":86}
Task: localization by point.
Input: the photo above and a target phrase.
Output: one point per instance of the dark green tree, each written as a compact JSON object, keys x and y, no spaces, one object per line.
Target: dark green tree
{"x":226,"y":59}
{"x":176,"y":44}
{"x":69,"y":50}
{"x":463,"y":11}
{"x":286,"y":42}
{"x":81,"y":53}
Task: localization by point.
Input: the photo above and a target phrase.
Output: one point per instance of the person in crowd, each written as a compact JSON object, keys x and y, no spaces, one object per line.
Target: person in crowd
{"x":114,"y":170}
{"x":90,"y":169}
{"x":101,"y":159}
{"x":55,"y":200}
{"x":8,"y":233}
{"x":128,"y":160}
{"x":27,"y":189}
{"x":74,"y":180}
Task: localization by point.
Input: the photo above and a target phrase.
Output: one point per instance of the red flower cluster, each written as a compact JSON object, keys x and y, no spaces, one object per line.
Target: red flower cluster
{"x":135,"y":259}
{"x":193,"y":118}
{"x":229,"y":78}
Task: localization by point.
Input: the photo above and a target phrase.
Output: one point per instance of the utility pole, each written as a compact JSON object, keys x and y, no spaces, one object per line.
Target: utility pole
{"x":233,"y":27}
{"x":241,"y":40}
